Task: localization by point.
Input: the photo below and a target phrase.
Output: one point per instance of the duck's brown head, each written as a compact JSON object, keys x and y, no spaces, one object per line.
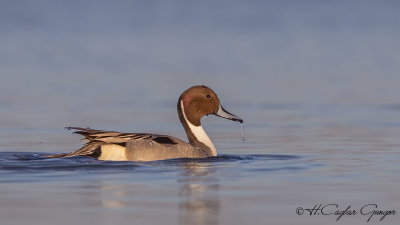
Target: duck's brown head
{"x":199,"y":101}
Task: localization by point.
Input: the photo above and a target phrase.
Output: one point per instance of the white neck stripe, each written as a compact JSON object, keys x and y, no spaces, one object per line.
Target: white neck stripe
{"x":199,"y":133}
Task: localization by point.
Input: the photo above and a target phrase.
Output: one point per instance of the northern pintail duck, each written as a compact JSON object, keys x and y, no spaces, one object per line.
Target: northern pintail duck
{"x":193,"y":104}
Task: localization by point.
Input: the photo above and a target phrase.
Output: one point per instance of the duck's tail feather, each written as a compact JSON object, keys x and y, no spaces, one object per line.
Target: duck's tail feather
{"x":89,"y":149}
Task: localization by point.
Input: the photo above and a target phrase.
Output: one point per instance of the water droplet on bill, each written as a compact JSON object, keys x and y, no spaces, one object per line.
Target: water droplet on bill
{"x":241,"y":131}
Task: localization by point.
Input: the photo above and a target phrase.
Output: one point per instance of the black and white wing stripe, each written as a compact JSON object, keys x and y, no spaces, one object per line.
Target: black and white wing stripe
{"x":114,"y":137}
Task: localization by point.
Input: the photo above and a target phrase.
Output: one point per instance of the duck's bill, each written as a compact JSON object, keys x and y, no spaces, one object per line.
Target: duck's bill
{"x":227,"y":115}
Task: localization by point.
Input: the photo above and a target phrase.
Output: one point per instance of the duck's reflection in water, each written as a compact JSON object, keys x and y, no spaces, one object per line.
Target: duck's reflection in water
{"x":199,"y":194}
{"x":193,"y":199}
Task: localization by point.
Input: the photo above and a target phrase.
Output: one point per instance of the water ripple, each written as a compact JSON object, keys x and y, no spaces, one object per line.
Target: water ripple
{"x":28,"y":161}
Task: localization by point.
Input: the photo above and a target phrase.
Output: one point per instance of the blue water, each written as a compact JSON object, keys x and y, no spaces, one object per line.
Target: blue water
{"x":316,"y":82}
{"x":187,"y":188}
{"x":304,"y":155}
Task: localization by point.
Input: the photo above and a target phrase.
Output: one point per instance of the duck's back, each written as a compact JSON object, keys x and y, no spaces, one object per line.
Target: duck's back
{"x":149,"y":150}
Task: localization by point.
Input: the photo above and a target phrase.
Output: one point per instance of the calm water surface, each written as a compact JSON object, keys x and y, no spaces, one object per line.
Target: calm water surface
{"x":344,"y":155}
{"x":316,"y":82}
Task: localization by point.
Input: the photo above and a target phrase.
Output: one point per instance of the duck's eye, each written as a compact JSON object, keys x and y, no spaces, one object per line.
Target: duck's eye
{"x":208,"y":96}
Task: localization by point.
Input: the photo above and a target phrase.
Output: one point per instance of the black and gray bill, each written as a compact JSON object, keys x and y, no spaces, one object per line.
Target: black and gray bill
{"x":227,"y":115}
